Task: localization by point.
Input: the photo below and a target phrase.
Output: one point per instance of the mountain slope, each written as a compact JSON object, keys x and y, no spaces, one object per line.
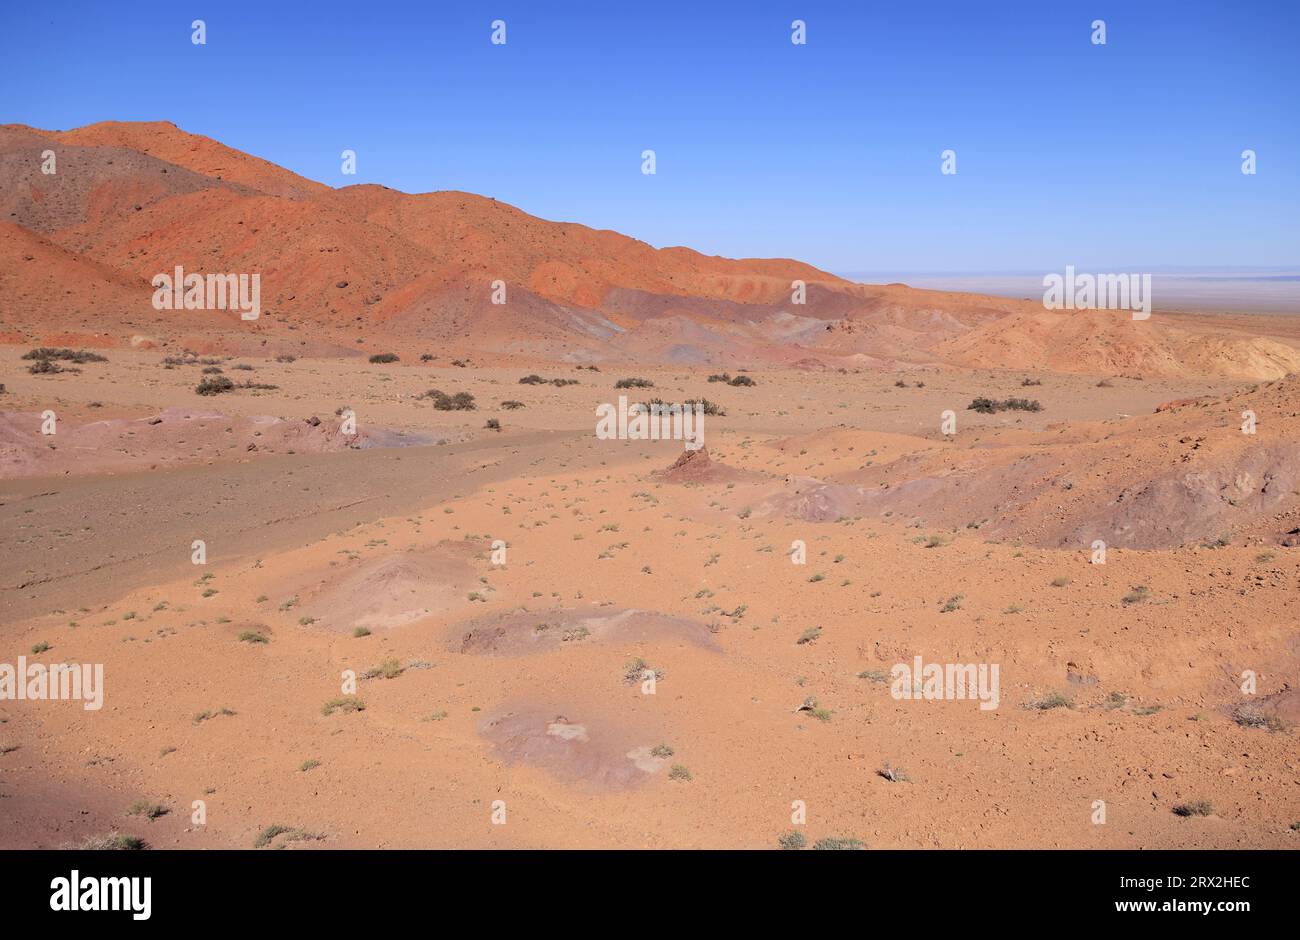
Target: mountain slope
{"x":366,"y":265}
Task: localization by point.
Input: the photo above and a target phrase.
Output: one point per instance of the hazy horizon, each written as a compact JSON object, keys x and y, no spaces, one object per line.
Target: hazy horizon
{"x":1222,"y":289}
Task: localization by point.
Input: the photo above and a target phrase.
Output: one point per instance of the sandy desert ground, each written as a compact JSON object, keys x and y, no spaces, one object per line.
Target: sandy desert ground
{"x":502,"y":594}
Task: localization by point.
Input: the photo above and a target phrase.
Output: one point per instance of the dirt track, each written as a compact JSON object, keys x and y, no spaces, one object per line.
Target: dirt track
{"x":137,"y":528}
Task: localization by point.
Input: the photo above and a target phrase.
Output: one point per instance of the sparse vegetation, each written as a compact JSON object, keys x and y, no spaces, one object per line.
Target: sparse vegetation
{"x":79,"y":356}
{"x":835,"y":843}
{"x":710,"y":408}
{"x":149,"y":811}
{"x":388,"y":669}
{"x":113,"y":842}
{"x":46,"y":367}
{"x":792,"y":840}
{"x":634,"y":383}
{"x":738,"y":381}
{"x":215,"y":385}
{"x":220,"y":384}
{"x":380,"y":358}
{"x":343,"y":703}
{"x":1251,"y":716}
{"x":290,"y":833}
{"x":1139,"y":594}
{"x":461,"y":401}
{"x":1050,"y":701}
{"x":538,"y":380}
{"x":206,"y":715}
{"x":1195,"y":808}
{"x":635,"y":670}
{"x":992,"y":405}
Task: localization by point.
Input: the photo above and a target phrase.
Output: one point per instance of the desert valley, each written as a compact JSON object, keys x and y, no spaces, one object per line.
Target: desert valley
{"x":361,"y":573}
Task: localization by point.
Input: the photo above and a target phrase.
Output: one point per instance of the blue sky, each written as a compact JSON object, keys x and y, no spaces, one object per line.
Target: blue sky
{"x":1117,"y":157}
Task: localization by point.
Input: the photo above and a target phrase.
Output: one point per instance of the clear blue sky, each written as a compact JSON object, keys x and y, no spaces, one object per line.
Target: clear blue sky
{"x":1112,"y":157}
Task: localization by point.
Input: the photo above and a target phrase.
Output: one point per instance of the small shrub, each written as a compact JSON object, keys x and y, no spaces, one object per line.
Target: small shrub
{"x":343,"y":703}
{"x":215,"y":385}
{"x":1250,"y":716}
{"x":792,"y":840}
{"x":380,"y":358}
{"x":1050,"y":701}
{"x":710,"y":408}
{"x":461,"y":401}
{"x":1139,"y":594}
{"x":206,"y":715}
{"x":388,"y":669}
{"x":78,"y":356}
{"x":290,"y":833}
{"x":114,"y":842}
{"x":149,"y":811}
{"x":991,"y":405}
{"x":1195,"y":808}
{"x":634,"y":383}
{"x":833,"y":843}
